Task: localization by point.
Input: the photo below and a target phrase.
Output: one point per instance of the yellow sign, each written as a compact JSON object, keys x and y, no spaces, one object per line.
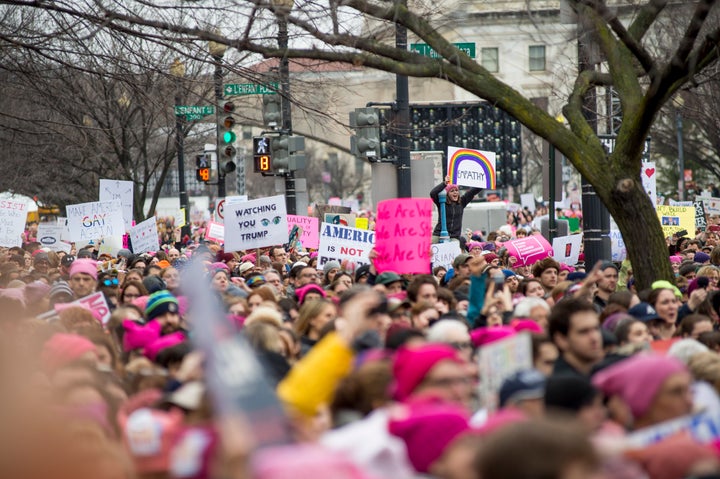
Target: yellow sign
{"x":361,"y":223}
{"x":677,"y":218}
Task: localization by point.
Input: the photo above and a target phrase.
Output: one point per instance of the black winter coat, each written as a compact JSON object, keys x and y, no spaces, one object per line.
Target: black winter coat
{"x":453,"y":211}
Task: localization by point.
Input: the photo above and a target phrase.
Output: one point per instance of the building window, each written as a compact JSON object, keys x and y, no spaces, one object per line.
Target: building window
{"x":537,"y":58}
{"x":489,"y":59}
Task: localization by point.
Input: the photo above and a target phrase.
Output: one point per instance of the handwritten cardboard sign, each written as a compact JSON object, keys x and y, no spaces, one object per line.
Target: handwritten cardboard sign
{"x":95,"y":302}
{"x":472,"y":168}
{"x":676,"y":218}
{"x":88,"y":221}
{"x":144,"y":236}
{"x":648,"y":178}
{"x":256,"y":223}
{"x":700,"y":219}
{"x":215,"y":232}
{"x":344,"y":244}
{"x":499,"y":360}
{"x":122,"y":191}
{"x":13,"y":215}
{"x":402,"y":233}
{"x":443,"y":254}
{"x":529,"y":250}
{"x":566,"y":249}
{"x":308,"y":230}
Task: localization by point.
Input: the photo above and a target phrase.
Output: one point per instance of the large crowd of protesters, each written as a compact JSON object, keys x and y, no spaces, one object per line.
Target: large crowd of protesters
{"x":377,"y":373}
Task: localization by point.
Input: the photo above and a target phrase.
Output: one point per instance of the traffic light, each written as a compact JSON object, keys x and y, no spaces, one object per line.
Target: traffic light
{"x":366,"y":142}
{"x":287,"y":153}
{"x":262,"y":159}
{"x":272,"y":110}
{"x":226,"y":134}
{"x":202,"y":168}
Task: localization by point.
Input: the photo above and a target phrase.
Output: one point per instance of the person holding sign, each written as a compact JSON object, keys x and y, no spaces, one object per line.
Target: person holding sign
{"x":454,"y":207}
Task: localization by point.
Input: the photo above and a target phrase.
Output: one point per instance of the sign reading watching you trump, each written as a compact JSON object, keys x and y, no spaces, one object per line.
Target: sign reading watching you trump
{"x":473,"y":168}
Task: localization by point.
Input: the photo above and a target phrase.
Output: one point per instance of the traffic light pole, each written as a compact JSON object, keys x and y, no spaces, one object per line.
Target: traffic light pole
{"x":180,"y":147}
{"x":217,"y":80}
{"x":402,"y":118}
{"x":286,"y":125}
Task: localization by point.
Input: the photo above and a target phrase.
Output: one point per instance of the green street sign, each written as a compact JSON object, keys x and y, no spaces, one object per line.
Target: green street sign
{"x":425,"y":50}
{"x":192,"y":113}
{"x":241,"y":89}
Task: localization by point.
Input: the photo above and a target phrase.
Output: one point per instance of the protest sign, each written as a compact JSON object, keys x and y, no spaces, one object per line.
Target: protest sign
{"x":95,"y":303}
{"x":680,"y":203}
{"x":402,"y":235}
{"x":144,"y":236}
{"x":343,"y":243}
{"x":179,"y":218}
{"x":215,"y":232}
{"x":566,"y":249}
{"x":472,"y":168}
{"x":676,"y":218}
{"x":648,"y":177}
{"x":700,"y":220}
{"x":110,"y":245}
{"x":345,"y":219}
{"x":89,"y":221}
{"x":529,"y":250}
{"x":49,"y":234}
{"x":527,"y":200}
{"x":308,"y":230}
{"x":499,"y":360}
{"x":703,"y":427}
{"x":13,"y":215}
{"x":712,"y":205}
{"x":362,"y":223}
{"x":443,"y":254}
{"x":122,"y":191}
{"x":256,"y":223}
{"x":617,"y":244}
{"x":321,"y":210}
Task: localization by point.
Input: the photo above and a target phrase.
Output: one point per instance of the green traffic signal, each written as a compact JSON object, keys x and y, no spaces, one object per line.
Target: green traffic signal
{"x":229,"y":137}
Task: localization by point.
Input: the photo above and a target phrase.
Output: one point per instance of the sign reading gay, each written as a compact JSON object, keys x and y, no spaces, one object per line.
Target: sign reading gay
{"x":256,"y":223}
{"x":529,"y":250}
{"x":13,"y":215}
{"x":122,"y":191}
{"x":87,"y":221}
{"x":308,"y":230}
{"x":343,"y":243}
{"x":144,"y":236}
{"x":472,"y":168}
{"x":402,"y":235}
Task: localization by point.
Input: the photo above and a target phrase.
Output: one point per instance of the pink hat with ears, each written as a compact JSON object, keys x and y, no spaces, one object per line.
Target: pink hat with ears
{"x":163,"y":342}
{"x":139,"y":335}
{"x":485,"y":336}
{"x":85,"y":266}
{"x":411,"y":365}
{"x":522,"y":324}
{"x":450,"y":187}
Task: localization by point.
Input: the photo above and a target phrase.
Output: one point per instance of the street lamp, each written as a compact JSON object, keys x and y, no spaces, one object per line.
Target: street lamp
{"x":177,"y":70}
{"x":282,"y":9}
{"x":217,"y":52}
{"x":444,"y":235}
{"x":678,"y":102}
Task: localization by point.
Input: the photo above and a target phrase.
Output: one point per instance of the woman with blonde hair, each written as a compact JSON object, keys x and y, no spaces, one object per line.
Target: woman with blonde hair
{"x":313,"y":316}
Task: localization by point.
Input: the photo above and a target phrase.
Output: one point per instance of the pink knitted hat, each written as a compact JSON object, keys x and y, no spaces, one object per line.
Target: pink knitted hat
{"x":483,"y":336}
{"x":62,"y":349}
{"x":412,"y":365}
{"x":638,"y":379}
{"x":153,"y":349}
{"x":139,"y":335}
{"x":451,"y":187}
{"x":308,"y":288}
{"x":84,"y":265}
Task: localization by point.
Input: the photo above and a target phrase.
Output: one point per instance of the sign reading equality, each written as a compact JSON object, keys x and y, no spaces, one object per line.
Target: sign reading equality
{"x":427,"y":51}
{"x":240,"y":89}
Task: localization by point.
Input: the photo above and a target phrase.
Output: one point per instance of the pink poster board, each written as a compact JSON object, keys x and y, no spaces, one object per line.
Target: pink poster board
{"x":310,"y":227}
{"x":402,"y":235}
{"x":529,"y":250}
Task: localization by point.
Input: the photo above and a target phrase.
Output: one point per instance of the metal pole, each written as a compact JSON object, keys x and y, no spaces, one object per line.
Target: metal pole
{"x":180,"y":147}
{"x":681,"y":155}
{"x":402,"y":117}
{"x":218,"y":79}
{"x":444,"y":235}
{"x":552,"y":222}
{"x":286,"y":125}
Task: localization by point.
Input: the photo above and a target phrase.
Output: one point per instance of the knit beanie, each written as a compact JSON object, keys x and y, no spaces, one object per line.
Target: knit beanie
{"x":160,"y":303}
{"x":86,"y":266}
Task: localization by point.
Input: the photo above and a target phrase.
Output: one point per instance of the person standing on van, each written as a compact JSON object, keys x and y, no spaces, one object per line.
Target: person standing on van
{"x":454,"y":206}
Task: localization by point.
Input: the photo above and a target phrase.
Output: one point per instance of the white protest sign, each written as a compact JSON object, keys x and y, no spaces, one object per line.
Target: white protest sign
{"x":122,"y":191}
{"x":566,"y":249}
{"x":648,"y":177}
{"x":343,"y":243}
{"x":65,"y":234}
{"x":49,"y":236}
{"x":472,"y":168}
{"x":500,"y":359}
{"x":144,"y":236}
{"x":527,"y":200}
{"x":13,"y":215}
{"x":443,"y":254}
{"x":87,"y":221}
{"x":712,"y":205}
{"x":617,"y":244}
{"x":680,"y":203}
{"x":215,"y":232}
{"x":256,"y":223}
{"x":110,"y":245}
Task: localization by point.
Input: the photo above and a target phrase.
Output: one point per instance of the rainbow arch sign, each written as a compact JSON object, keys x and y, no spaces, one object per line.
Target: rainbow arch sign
{"x":472,"y":168}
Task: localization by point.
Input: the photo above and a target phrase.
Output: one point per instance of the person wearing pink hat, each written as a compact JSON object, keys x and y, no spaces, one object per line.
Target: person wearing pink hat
{"x":652,"y":388}
{"x":83,"y":277}
{"x":454,"y":207}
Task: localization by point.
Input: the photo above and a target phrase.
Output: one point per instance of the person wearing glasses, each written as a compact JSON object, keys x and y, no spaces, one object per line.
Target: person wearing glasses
{"x":454,"y":333}
{"x":109,"y":285}
{"x":131,"y":290}
{"x":307,"y":275}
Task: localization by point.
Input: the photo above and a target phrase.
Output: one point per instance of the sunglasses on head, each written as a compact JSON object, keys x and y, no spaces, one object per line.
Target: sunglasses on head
{"x":110,"y":282}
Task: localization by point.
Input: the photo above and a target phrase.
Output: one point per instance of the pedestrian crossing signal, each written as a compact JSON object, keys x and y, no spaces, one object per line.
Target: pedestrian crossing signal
{"x":262,"y":163}
{"x":203,"y":174}
{"x":262,"y":156}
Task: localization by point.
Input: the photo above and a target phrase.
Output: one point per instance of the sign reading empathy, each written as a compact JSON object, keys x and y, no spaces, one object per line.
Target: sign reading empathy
{"x":256,"y":223}
{"x":87,"y":221}
{"x":472,"y":168}
{"x":13,"y":215}
{"x":402,"y":235}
